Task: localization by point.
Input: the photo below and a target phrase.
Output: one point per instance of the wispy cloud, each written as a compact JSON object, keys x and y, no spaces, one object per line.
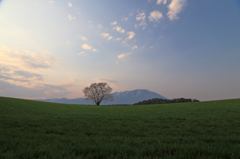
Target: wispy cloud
{"x":94,"y":50}
{"x":104,"y":35}
{"x":118,"y":39}
{"x":26,"y":59}
{"x":161,"y":1}
{"x":82,"y":37}
{"x":175,"y":7}
{"x":143,"y":23}
{"x":54,"y":90}
{"x":141,"y":16}
{"x":71,"y":17}
{"x":119,"y":29}
{"x":124,"y":43}
{"x":114,"y":23}
{"x":51,"y":2}
{"x":130,"y":34}
{"x":69,"y":4}
{"x":99,"y":26}
{"x":86,"y":47}
{"x":21,"y":68}
{"x":155,"y":16}
{"x":123,"y":55}
{"x":125,"y":19}
{"x":134,"y":47}
{"x":21,"y":78}
{"x":109,"y":38}
{"x":82,"y":53}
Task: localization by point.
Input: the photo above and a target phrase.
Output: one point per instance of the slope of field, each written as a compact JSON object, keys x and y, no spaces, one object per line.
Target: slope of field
{"x":32,"y":129}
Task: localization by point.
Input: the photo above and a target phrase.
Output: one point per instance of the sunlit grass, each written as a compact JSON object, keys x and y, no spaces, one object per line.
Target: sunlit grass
{"x":31,"y":129}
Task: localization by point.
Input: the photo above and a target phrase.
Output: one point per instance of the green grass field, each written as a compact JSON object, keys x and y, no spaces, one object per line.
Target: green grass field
{"x":31,"y":129}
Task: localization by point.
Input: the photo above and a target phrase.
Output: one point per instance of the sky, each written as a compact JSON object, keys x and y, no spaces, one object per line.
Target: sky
{"x":177,"y":48}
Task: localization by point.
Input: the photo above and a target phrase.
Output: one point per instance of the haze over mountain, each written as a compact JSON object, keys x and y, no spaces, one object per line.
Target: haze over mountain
{"x":127,"y":97}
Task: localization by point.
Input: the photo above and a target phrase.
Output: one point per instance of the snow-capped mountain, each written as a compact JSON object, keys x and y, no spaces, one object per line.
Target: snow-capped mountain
{"x":130,"y":97}
{"x":127,"y":97}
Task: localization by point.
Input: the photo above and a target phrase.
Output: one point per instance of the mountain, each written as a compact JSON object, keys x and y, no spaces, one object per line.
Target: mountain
{"x":130,"y":97}
{"x":127,"y":97}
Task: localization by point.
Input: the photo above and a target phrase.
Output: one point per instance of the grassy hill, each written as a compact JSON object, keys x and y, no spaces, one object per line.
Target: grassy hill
{"x":32,"y":129}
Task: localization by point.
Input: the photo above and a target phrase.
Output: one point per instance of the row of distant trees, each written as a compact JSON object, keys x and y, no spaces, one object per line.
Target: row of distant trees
{"x":165,"y":101}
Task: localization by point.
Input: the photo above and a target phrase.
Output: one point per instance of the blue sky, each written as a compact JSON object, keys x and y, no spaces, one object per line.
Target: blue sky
{"x":177,"y":48}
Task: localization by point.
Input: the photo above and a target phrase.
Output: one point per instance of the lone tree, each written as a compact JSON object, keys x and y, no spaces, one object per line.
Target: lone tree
{"x":98,"y":92}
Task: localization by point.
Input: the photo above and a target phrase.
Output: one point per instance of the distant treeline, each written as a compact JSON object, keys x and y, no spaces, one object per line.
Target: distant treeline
{"x":117,"y":104}
{"x":165,"y":101}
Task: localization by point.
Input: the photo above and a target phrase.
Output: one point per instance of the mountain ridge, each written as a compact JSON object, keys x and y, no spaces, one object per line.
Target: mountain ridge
{"x":126,"y":97}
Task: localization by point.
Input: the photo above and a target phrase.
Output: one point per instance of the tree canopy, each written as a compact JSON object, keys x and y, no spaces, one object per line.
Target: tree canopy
{"x":98,"y":92}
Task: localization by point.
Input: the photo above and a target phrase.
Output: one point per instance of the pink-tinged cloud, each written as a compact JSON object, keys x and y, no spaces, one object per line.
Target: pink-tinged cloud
{"x":21,"y":68}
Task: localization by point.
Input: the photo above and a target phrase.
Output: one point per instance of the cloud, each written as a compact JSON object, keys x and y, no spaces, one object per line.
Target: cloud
{"x":119,"y":29}
{"x":122,"y":31}
{"x":125,"y":19}
{"x":151,"y":47}
{"x":130,"y":34}
{"x":99,"y":26}
{"x":118,"y":39}
{"x":123,"y":55}
{"x":134,"y":47}
{"x":42,"y":92}
{"x":143,"y":23}
{"x":20,"y":78}
{"x":114,"y":23}
{"x":81,"y":53}
{"x":109,"y":38}
{"x":82,"y":37}
{"x":124,"y":43}
{"x":26,"y":59}
{"x":155,"y":16}
{"x":141,"y":16}
{"x":104,"y":35}
{"x":94,"y":50}
{"x":175,"y":7}
{"x":160,"y":1}
{"x":71,"y":17}
{"x":69,"y":4}
{"x":51,"y":2}
{"x":20,"y":68}
{"x":86,"y":47}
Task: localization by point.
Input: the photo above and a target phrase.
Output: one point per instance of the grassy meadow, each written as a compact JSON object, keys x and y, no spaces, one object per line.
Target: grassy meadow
{"x":32,"y":129}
